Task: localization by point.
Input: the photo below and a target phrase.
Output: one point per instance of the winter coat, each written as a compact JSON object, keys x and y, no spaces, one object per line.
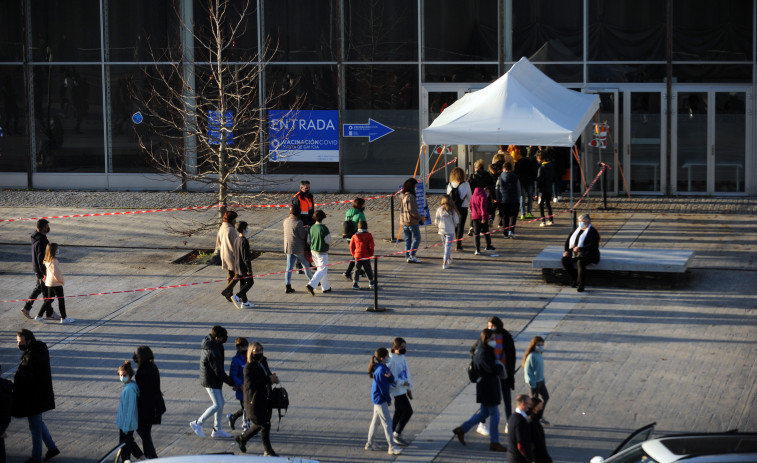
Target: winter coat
{"x":212,"y":374}
{"x":525,"y":169}
{"x":242,"y":256}
{"x":481,"y":179}
{"x":539,"y":441}
{"x":479,"y":205}
{"x":306,"y":204}
{"x":361,"y":244}
{"x":320,"y":238}
{"x":236,"y":371}
{"x":225,"y":244}
{"x":398,"y":367}
{"x":381,"y":384}
{"x":257,"y":390}
{"x":295,"y":236}
{"x":508,"y":188}
{"x":354,"y":215}
{"x":446,"y":221}
{"x":488,"y":389}
{"x":127,"y":419}
{"x":39,"y":245}
{"x":33,"y":384}
{"x":53,"y":275}
{"x":590,"y":249}
{"x":508,"y":344}
{"x":150,"y":402}
{"x":409,"y":210}
{"x":533,"y":370}
{"x":6,"y":403}
{"x":545,"y":178}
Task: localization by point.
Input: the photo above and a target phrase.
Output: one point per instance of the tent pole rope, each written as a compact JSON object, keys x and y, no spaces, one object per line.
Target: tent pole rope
{"x":580,"y":167}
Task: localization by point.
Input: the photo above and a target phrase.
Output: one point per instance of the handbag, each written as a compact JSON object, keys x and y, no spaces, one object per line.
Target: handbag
{"x":279,"y":399}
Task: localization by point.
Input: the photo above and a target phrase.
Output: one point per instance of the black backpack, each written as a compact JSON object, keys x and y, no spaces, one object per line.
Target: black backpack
{"x":279,"y":400}
{"x":454,"y":195}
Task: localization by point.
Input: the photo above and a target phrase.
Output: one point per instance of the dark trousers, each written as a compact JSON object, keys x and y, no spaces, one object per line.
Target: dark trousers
{"x":230,"y":283}
{"x":507,"y":398}
{"x":540,"y":391}
{"x":365,"y":266}
{"x":244,"y":285}
{"x":481,"y":226}
{"x":351,"y":267}
{"x":235,"y":416}
{"x":131,"y":447}
{"x":509,"y":214}
{"x":47,"y":306}
{"x":265,"y":435}
{"x":402,"y":413}
{"x":145,"y":433}
{"x":546,"y":200}
{"x":2,"y":450}
{"x":460,"y":230}
{"x":39,"y":288}
{"x":579,"y":272}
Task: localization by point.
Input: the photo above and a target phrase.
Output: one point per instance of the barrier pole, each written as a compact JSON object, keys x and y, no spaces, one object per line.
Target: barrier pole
{"x":375,"y":307}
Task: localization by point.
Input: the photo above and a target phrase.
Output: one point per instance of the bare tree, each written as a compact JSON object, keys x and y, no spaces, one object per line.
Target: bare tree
{"x":205,"y":118}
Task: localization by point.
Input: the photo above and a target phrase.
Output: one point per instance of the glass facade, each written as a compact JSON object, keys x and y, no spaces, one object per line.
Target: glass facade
{"x":74,"y":72}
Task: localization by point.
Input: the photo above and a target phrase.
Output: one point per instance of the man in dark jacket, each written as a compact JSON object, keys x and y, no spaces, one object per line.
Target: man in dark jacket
{"x":6,"y":401}
{"x":212,"y":377}
{"x":33,"y":392}
{"x":508,"y":197}
{"x":581,"y":248}
{"x":39,"y":245}
{"x":545,"y":178}
{"x":519,"y":449}
{"x":525,"y":168}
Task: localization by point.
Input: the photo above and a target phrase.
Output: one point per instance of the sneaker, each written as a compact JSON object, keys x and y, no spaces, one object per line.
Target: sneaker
{"x":512,"y":235}
{"x":355,"y":286}
{"x":67,"y":320}
{"x":400,"y":441}
{"x":549,"y":222}
{"x":270,"y":453}
{"x":310,"y":290}
{"x":491,"y":248}
{"x":219,"y":433}
{"x":449,"y":262}
{"x":51,"y":453}
{"x":197,"y":428}
{"x":445,"y":266}
{"x":373,"y":447}
{"x":325,"y":291}
{"x":26,"y":314}
{"x":522,"y":217}
{"x":52,"y":316}
{"x":230,"y":418}
{"x":409,"y":260}
{"x":371,"y":286}
{"x":289,"y":289}
{"x":477,"y":253}
{"x":248,"y":305}
{"x":237,"y":301}
{"x":347,"y":276}
{"x":482,"y":429}
{"x":245,"y":426}
{"x":470,"y":231}
{"x":543,"y":224}
{"x":394,"y":451}
{"x":240,"y":443}
{"x":529,"y":216}
{"x":497,"y":447}
{"x":39,"y":319}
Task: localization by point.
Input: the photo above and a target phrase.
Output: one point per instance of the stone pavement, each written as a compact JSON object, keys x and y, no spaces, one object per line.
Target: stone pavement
{"x":616,"y":358}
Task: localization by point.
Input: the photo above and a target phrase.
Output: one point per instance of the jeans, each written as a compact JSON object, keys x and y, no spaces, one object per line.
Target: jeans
{"x":481,"y":227}
{"x":321,"y":260}
{"x":447,"y":244}
{"x":482,"y":414}
{"x":291,"y":260}
{"x":412,"y":239}
{"x":381,"y":413}
{"x":40,"y":434}
{"x":216,"y":409}
{"x":510,"y":215}
{"x":47,"y":306}
{"x":526,"y":198}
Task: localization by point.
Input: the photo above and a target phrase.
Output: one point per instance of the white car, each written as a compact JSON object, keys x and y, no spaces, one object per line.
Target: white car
{"x":114,"y":456}
{"x":726,"y":447}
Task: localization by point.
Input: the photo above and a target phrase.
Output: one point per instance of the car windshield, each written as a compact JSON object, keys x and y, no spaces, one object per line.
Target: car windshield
{"x":635,"y":454}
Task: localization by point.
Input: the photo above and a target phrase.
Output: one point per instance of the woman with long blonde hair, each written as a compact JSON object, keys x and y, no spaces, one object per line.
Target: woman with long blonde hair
{"x":53,"y":287}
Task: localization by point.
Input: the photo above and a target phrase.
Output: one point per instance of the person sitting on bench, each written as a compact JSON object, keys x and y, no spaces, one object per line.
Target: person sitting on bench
{"x":581,"y":247}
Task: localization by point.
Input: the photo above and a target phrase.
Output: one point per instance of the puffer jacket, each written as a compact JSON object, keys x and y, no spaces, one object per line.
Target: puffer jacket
{"x":212,"y":374}
{"x":361,"y":244}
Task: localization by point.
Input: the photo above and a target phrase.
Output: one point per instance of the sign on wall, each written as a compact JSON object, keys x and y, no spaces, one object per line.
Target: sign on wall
{"x":303,"y":136}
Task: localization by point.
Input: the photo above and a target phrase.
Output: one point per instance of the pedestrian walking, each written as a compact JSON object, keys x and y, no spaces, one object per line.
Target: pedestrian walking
{"x":480,"y":219}
{"x":33,"y":392}
{"x":353,"y":217}
{"x":6,"y":404}
{"x":382,"y":399}
{"x":508,"y":196}
{"x":53,"y":287}
{"x":519,"y":446}
{"x":242,"y":267}
{"x":295,"y":243}
{"x":320,"y":240}
{"x":236,"y":371}
{"x":447,"y":219}
{"x":127,"y":418}
{"x":460,"y":193}
{"x":258,"y":381}
{"x":225,"y":246}
{"x":487,"y":392}
{"x":538,"y":438}
{"x":545,"y":179}
{"x":401,"y":391}
{"x":410,"y":220}
{"x":362,"y":248}
{"x":533,"y":371}
{"x":150,"y":403}
{"x":212,"y":378}
{"x":39,"y":246}
{"x":504,"y":357}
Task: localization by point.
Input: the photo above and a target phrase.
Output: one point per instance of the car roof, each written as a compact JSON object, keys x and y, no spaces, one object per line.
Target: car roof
{"x":689,"y":447}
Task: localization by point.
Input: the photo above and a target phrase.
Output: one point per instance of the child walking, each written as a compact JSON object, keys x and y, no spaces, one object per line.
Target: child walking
{"x":53,"y":286}
{"x":402,"y":391}
{"x":236,"y":372}
{"x":479,"y":206}
{"x":447,"y":219}
{"x":127,"y":418}
{"x":354,"y":216}
{"x":320,"y":240}
{"x":382,"y":380}
{"x":361,"y":247}
{"x":533,"y":370}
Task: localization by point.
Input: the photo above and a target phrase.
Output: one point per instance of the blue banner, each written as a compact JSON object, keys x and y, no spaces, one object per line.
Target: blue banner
{"x":420,"y":198}
{"x":214,"y":127}
{"x":303,"y":136}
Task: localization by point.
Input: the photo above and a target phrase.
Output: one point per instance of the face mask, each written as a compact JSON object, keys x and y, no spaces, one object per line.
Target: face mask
{"x":492,"y":343}
{"x":257,"y":357}
{"x":455,"y":184}
{"x":123,"y":379}
{"x":246,"y":231}
{"x":135,"y":358}
{"x":402,"y":351}
{"x":581,"y":225}
{"x":22,"y":347}
{"x":540,"y":349}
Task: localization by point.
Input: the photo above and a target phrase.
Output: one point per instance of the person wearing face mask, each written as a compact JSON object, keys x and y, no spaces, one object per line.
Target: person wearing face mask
{"x":382,"y":399}
{"x":581,"y":248}
{"x":150,"y":403}
{"x":504,"y":355}
{"x":401,"y":391}
{"x":538,"y":439}
{"x":127,"y":417}
{"x":39,"y":246}
{"x":258,"y":381}
{"x":520,"y":448}
{"x":225,"y":246}
{"x":242,"y":267}
{"x":488,"y":392}
{"x":533,"y":371}
{"x":33,"y":392}
{"x":460,"y":193}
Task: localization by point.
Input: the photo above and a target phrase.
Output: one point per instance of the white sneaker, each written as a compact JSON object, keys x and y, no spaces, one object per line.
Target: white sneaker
{"x":543,"y":224}
{"x":237,"y":301}
{"x":67,"y":320}
{"x":445,"y":266}
{"x":372,"y":447}
{"x":394,"y":450}
{"x":555,"y":199}
{"x":39,"y":319}
{"x":477,"y":253}
{"x":449,"y":262}
{"x":549,"y":222}
{"x":219,"y":433}
{"x":415,"y":260}
{"x":512,"y":235}
{"x":248,"y":305}
{"x":197,"y":428}
{"x":482,"y":429}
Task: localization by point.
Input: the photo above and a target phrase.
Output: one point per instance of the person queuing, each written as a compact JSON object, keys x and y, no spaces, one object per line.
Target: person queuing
{"x":33,"y":392}
{"x":236,"y":371}
{"x":581,"y":249}
{"x":127,"y":417}
{"x":460,"y":193}
{"x":353,"y":217}
{"x":545,"y":179}
{"x":39,"y":246}
{"x":212,"y":378}
{"x":150,"y":403}
{"x":53,"y":287}
{"x":258,"y":380}
{"x":361,"y":249}
{"x":304,"y":202}
{"x":447,"y":219}
{"x":487,"y":392}
{"x":538,"y":438}
{"x":320,"y":240}
{"x":526,"y":170}
{"x":295,"y":243}
{"x":243,"y":267}
{"x":225,"y":245}
{"x":533,"y":372}
{"x":401,"y":391}
{"x":6,"y":404}
{"x":480,"y":219}
{"x":508,"y":196}
{"x":382,"y":399}
{"x":519,"y":447}
{"x":410,"y":220}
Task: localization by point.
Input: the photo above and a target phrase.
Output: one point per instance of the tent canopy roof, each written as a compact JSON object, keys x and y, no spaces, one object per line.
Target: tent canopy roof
{"x":523,"y":107}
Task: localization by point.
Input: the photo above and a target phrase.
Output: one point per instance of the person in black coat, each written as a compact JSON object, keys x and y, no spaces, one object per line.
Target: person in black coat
{"x":581,"y":248}
{"x":545,"y":178}
{"x":212,"y":378}
{"x":150,"y":404}
{"x":538,"y":439}
{"x":258,"y":380}
{"x":519,"y":446}
{"x":488,"y":392}
{"x":243,"y":267}
{"x":33,"y":392}
{"x":39,"y":244}
{"x":6,"y":402}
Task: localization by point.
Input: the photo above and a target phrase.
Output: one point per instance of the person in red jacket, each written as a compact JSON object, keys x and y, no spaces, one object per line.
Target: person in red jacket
{"x":361,"y":247}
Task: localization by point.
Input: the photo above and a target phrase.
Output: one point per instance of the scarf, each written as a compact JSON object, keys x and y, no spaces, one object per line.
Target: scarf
{"x":572,"y":243}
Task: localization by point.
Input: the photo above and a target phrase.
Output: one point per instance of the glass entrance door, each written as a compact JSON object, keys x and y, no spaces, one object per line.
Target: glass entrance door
{"x":729,"y":147}
{"x":645,"y":141}
{"x":608,"y":113}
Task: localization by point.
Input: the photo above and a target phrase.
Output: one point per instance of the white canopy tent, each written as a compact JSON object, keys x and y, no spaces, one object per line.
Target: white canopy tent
{"x":523,"y":107}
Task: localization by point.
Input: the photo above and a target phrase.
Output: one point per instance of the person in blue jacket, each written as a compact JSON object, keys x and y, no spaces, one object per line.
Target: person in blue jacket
{"x":382,"y":398}
{"x":236,"y":371}
{"x":533,"y":372}
{"x":127,"y":417}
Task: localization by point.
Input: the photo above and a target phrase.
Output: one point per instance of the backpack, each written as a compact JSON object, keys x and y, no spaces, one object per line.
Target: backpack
{"x":279,"y":400}
{"x":473,"y":374}
{"x":348,"y":229}
{"x":454,"y":195}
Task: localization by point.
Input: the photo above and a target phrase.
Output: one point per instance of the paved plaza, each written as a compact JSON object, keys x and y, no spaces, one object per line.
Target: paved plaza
{"x":620,"y":356}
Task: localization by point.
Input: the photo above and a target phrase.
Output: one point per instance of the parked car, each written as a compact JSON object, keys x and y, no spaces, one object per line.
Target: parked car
{"x":114,"y":456}
{"x":725,"y":447}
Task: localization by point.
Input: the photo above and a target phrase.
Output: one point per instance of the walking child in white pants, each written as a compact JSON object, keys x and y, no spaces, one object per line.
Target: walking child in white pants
{"x":382,"y":380}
